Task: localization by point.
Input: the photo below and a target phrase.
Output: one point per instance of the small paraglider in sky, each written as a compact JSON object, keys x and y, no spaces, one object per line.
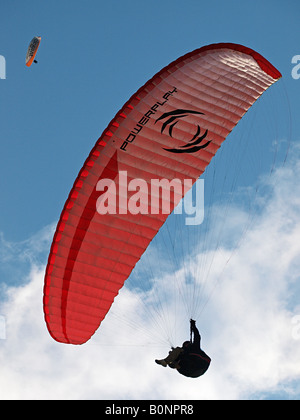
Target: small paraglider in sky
{"x":32,"y":50}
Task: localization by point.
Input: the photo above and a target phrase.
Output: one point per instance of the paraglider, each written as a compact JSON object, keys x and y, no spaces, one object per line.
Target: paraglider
{"x":32,"y":50}
{"x":189,"y":360}
{"x":170,"y":129}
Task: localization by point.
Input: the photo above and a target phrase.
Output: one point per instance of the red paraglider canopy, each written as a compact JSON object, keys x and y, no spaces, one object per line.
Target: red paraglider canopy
{"x":170,"y":129}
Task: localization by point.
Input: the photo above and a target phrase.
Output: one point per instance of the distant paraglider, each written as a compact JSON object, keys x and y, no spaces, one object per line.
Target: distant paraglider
{"x":32,"y":50}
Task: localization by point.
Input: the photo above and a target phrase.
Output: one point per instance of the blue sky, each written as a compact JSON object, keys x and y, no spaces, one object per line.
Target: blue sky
{"x":93,"y":56}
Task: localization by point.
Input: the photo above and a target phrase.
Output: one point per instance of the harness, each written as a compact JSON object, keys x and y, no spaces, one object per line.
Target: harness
{"x":207,"y":359}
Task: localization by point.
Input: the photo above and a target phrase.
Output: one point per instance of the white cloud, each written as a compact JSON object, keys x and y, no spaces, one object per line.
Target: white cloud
{"x":247,"y":327}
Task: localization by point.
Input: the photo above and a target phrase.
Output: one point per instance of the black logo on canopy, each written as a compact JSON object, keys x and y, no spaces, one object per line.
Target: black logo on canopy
{"x":171,"y":119}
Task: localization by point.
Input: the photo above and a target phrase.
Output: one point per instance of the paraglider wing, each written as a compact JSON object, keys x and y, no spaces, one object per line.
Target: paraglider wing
{"x":32,"y":50}
{"x":171,"y":128}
